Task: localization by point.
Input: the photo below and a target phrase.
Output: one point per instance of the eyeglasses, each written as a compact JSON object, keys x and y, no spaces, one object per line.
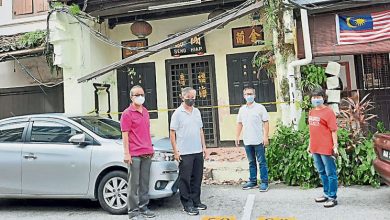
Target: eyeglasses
{"x":137,"y":95}
{"x":248,"y":94}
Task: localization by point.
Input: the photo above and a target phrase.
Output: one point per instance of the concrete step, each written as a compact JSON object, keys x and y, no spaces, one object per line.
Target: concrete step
{"x":223,"y":171}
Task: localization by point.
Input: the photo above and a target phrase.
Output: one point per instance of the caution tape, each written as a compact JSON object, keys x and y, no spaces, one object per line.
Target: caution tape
{"x":200,"y":107}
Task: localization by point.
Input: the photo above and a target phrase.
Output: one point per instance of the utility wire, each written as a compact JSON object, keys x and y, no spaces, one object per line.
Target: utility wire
{"x":100,"y":36}
{"x":27,"y":71}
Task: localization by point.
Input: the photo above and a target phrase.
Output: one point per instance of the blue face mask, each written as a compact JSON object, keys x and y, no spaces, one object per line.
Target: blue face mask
{"x":317,"y":102}
{"x":250,"y":98}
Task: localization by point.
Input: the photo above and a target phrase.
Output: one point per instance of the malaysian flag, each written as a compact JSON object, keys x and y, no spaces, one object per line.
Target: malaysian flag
{"x":365,"y":28}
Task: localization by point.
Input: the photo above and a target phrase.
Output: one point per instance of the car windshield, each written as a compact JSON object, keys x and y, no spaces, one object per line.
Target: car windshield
{"x":105,"y":128}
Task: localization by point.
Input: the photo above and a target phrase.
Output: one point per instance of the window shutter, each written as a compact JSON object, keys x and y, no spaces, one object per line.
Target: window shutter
{"x":149,"y":83}
{"x":241,"y":74}
{"x":41,"y":5}
{"x":145,"y":76}
{"x":235,"y":82}
{"x":22,"y":7}
{"x":123,"y":89}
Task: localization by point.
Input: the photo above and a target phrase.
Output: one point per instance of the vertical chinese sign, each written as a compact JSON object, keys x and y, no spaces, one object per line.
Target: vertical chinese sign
{"x":247,"y":36}
{"x":133,"y":43}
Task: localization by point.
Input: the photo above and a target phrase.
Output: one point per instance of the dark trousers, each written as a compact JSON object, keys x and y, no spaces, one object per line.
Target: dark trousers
{"x":190,"y":174}
{"x":138,"y":185}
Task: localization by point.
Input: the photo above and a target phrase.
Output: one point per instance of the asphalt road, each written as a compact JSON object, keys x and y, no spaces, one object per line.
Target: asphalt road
{"x":355,"y":203}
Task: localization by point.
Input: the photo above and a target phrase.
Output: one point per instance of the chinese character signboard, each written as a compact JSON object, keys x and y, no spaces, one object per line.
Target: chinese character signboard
{"x":132,"y":43}
{"x":247,"y":36}
{"x":194,"y":45}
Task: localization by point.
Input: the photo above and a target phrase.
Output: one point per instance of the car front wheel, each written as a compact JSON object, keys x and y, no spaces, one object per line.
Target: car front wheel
{"x":112,"y":192}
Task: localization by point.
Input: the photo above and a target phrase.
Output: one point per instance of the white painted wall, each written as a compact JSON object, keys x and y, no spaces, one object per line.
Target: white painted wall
{"x":12,"y":75}
{"x":10,"y":25}
{"x":343,"y":71}
{"x":218,"y":43}
{"x":21,"y":24}
{"x":78,"y":53}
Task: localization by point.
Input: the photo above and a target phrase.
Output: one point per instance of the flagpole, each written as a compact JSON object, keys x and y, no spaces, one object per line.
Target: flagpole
{"x":338,"y":29}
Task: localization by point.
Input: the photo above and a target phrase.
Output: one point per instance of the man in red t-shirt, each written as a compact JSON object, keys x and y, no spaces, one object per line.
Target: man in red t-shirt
{"x":138,"y":152}
{"x":323,"y":146}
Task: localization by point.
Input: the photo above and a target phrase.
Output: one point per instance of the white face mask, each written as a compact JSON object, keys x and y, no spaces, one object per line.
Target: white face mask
{"x":139,"y":100}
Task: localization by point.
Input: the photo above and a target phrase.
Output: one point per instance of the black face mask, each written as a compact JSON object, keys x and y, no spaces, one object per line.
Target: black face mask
{"x":189,"y":102}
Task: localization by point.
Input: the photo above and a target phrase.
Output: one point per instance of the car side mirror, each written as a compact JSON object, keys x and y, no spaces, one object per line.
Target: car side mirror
{"x":78,"y":139}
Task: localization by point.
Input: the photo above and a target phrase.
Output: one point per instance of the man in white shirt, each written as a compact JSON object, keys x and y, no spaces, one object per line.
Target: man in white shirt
{"x":253,"y":118}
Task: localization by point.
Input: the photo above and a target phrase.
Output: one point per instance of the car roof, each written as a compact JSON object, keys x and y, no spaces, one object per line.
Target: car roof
{"x":45,"y":115}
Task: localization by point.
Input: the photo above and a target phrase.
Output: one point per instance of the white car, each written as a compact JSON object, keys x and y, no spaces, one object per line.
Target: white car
{"x":57,"y":156}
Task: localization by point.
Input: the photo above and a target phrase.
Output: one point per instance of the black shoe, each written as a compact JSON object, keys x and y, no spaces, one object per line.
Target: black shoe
{"x":201,"y":206}
{"x":191,"y":210}
{"x":330,"y":203}
{"x":148,"y":214}
{"x":321,"y":199}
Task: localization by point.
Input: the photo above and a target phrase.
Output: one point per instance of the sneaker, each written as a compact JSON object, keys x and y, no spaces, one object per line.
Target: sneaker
{"x":191,"y":210}
{"x":201,"y":206}
{"x":249,"y":185}
{"x":134,"y":215}
{"x":321,"y":199}
{"x":330,"y":203}
{"x":148,"y":214}
{"x":264,"y":187}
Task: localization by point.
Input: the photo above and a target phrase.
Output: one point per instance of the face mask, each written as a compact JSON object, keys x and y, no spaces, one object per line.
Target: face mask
{"x":189,"y":102}
{"x":317,"y":102}
{"x":139,"y":100}
{"x":250,"y":98}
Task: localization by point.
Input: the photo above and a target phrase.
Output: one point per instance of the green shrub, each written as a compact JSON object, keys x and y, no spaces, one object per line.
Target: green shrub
{"x":355,"y":167}
{"x":289,"y":162}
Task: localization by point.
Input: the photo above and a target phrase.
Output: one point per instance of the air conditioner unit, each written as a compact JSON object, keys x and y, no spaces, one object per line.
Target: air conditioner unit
{"x":172,"y":5}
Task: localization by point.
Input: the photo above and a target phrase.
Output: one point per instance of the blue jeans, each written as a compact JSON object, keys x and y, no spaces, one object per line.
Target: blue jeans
{"x":254,"y":152}
{"x":326,"y":167}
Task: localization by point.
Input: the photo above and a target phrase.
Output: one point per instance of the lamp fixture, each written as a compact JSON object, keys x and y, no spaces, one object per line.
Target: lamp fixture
{"x":141,"y":28}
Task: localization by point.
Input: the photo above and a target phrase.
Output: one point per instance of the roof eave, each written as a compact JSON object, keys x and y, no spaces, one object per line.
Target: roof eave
{"x":5,"y":56}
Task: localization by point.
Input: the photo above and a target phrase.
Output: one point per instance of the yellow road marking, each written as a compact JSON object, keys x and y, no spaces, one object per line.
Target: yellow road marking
{"x":276,"y":218}
{"x":218,"y":218}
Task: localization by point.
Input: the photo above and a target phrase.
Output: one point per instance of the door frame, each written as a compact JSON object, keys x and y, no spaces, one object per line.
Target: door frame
{"x":213,"y":89}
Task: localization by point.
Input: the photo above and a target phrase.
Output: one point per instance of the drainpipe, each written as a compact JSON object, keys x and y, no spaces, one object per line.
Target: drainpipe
{"x":290,"y":69}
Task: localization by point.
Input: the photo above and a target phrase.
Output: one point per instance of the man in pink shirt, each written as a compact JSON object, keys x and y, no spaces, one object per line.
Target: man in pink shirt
{"x":138,"y":152}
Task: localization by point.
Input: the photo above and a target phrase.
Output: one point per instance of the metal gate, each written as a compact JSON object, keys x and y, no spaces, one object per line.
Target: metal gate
{"x":373,"y":77}
{"x":199,"y":74}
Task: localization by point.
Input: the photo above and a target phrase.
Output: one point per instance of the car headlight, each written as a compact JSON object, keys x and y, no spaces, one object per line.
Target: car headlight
{"x":163,"y":156}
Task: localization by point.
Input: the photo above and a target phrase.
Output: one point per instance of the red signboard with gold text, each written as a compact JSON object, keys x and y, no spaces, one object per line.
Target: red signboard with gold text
{"x":247,"y":36}
{"x":133,"y":43}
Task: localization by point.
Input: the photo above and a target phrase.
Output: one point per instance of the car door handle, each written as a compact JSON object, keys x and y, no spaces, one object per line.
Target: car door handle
{"x":30,"y":156}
